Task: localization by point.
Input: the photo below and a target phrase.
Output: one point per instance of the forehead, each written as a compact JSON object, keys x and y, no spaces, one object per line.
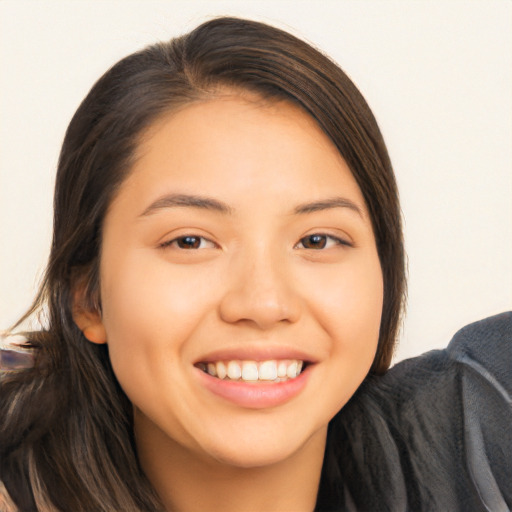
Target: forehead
{"x":236,"y":144}
{"x":241,"y":116}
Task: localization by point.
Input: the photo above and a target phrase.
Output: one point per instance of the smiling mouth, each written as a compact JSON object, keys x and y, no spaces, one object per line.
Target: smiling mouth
{"x":254,"y":371}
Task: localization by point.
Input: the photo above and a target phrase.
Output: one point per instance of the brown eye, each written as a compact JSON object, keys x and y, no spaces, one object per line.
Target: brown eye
{"x":189,"y":242}
{"x":318,"y":241}
{"x":314,"y":241}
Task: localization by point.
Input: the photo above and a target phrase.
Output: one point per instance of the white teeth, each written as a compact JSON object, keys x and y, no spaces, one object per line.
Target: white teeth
{"x":211,"y":369}
{"x":252,"y":371}
{"x":291,"y":371}
{"x":268,"y":370}
{"x":221,"y":370}
{"x":234,"y":370}
{"x":249,"y":371}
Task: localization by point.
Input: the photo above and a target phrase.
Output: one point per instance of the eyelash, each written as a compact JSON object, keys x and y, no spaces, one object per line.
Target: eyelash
{"x":176,"y":241}
{"x":325,"y":238}
{"x":320,"y":237}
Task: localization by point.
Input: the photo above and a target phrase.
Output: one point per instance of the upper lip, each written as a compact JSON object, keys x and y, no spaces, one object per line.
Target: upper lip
{"x":256,"y":353}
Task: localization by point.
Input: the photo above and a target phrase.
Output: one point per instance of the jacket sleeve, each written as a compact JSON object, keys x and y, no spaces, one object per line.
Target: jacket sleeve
{"x":434,"y":433}
{"x":483,"y":351}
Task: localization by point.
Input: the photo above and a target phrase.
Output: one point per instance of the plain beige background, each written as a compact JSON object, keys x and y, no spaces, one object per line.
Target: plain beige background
{"x":437,"y":73}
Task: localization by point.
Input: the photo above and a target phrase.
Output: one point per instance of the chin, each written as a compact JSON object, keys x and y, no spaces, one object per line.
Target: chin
{"x":252,"y":457}
{"x":260,"y":449}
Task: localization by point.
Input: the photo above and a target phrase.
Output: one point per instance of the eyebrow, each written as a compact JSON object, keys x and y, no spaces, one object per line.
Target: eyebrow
{"x":208,"y":203}
{"x":327,"y":204}
{"x":177,"y":200}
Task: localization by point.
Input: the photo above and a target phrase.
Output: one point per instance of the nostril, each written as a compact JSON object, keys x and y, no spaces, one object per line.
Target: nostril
{"x":260,"y":311}
{"x":261,"y":292}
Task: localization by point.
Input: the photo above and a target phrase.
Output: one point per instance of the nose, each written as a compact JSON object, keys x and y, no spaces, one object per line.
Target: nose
{"x":260,"y":292}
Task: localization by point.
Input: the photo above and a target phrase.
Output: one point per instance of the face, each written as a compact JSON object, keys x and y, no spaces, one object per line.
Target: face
{"x":239,"y":250}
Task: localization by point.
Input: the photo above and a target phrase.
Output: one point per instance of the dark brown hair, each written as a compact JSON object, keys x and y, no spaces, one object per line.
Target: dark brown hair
{"x":65,"y":425}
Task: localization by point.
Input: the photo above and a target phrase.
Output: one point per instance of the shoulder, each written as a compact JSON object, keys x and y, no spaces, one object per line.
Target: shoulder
{"x":480,"y":350}
{"x":438,"y":426}
{"x":449,"y":389}
{"x":484,"y":349}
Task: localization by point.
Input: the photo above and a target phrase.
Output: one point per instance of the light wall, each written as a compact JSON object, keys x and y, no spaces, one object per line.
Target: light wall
{"x":438,"y":75}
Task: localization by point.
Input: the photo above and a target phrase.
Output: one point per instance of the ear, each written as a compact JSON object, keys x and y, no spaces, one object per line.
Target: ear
{"x":91,"y":325}
{"x":88,"y":318}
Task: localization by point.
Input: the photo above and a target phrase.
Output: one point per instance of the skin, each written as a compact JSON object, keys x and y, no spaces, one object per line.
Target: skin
{"x":255,"y":281}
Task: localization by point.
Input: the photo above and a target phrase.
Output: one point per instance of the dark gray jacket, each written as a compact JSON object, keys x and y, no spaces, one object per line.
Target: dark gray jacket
{"x":433,"y":434}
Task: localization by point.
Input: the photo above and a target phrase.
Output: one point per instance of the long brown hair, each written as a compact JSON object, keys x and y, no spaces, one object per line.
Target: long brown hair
{"x":65,"y":425}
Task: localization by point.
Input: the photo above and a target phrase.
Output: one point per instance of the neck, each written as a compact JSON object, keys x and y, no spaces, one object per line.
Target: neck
{"x":188,"y":482}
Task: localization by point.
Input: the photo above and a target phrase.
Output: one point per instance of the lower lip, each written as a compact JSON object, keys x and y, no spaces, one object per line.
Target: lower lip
{"x":257,"y":395}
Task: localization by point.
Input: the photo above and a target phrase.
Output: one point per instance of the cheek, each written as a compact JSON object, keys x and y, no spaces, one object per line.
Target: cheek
{"x":348,"y":305}
{"x":150,"y":311}
{"x":352,"y":318}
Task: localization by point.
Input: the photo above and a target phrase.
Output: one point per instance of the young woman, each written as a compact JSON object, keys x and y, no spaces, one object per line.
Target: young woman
{"x":221,"y":303}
